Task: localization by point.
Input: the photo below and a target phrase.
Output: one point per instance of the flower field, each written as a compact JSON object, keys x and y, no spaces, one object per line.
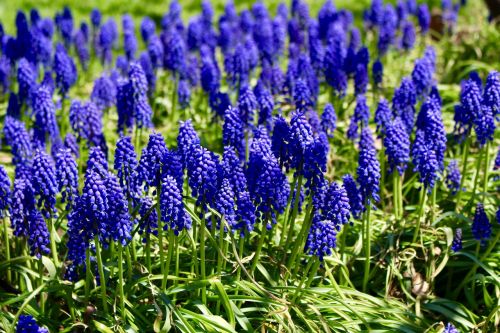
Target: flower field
{"x":250,"y":166}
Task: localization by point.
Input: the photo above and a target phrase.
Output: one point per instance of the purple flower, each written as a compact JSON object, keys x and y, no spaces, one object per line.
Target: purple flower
{"x":125,"y":165}
{"x":383,"y":116}
{"x":403,"y":103}
{"x":95,"y":17}
{"x":424,"y":18}
{"x":453,"y":177}
{"x":173,"y":213}
{"x":377,"y":72}
{"x":470,"y":105}
{"x":397,"y":145}
{"x":104,"y":93}
{"x":155,"y":51}
{"x":149,"y":220}
{"x":368,"y":171}
{"x":233,"y":131}
{"x":149,"y":169}
{"x":481,"y":226}
{"x":65,"y":69}
{"x":186,"y":139}
{"x":491,"y":97}
{"x":360,"y":117}
{"x":354,"y":195}
{"x":18,"y":138}
{"x":247,"y":104}
{"x":148,"y":28}
{"x":457,"y":241}
{"x":45,"y":116}
{"x":67,"y":177}
{"x":129,"y":44}
{"x":267,"y":184}
{"x":119,"y":222}
{"x":82,"y":49}
{"x":45,"y":183}
{"x":202,"y":173}
{"x":5,"y":194}
{"x":232,"y":170}
{"x":422,"y":76}
{"x":329,"y":120}
{"x":22,"y":203}
{"x":387,"y":32}
{"x":408,"y":38}
{"x":26,"y":78}
{"x":300,"y":138}
{"x":27,"y":324}
{"x":334,"y":62}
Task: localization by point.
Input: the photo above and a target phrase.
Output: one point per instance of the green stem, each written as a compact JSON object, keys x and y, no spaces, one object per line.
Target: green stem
{"x":301,"y":239}
{"x":171,"y":241}
{"x":420,"y":213}
{"x":53,"y":246}
{"x":88,"y":277}
{"x":259,"y":246}
{"x":465,"y":156}
{"x":396,"y":193}
{"x":291,"y":221}
{"x":367,"y":247}
{"x":176,"y":282}
{"x":287,"y":212}
{"x":202,"y":260}
{"x":148,"y":252}
{"x":120,"y":283}
{"x":160,"y":233}
{"x":478,"y":170}
{"x":486,"y":170}
{"x":101,"y":273}
{"x":42,"y":296}
{"x":7,"y":248}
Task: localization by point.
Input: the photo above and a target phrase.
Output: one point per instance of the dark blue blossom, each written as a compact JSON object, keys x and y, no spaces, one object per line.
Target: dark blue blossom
{"x":335,"y":53}
{"x":129,"y":44}
{"x":173,"y":213}
{"x":202,"y":175}
{"x":45,"y":183}
{"x":14,"y":108}
{"x":65,"y":69}
{"x":450,"y":328}
{"x":67,"y":177}
{"x":377,"y":72}
{"x":148,"y":28}
{"x":422,"y":76}
{"x":359,"y":119}
{"x":387,"y":31}
{"x":39,"y":237}
{"x":491,"y":97}
{"x":470,"y":105}
{"x":267,"y":184}
{"x":105,"y":40}
{"x":17,"y":137}
{"x":457,"y":241}
{"x":332,"y":211}
{"x":233,"y":131}
{"x":5,"y":74}
{"x":22,"y":203}
{"x":27,"y":324}
{"x":82,"y":49}
{"x":95,"y":17}
{"x":232,"y":170}
{"x":266,"y":108}
{"x":155,"y":51}
{"x":4,"y":191}
{"x":149,"y":169}
{"x":368,"y":171}
{"x":453,"y":177}
{"x":481,"y":226}
{"x":383,"y":116}
{"x":329,"y":120}
{"x":408,"y":38}
{"x":315,"y":160}
{"x":186,"y":139}
{"x":210,"y":76}
{"x":103,"y":93}
{"x":397,"y":145}
{"x":175,"y":53}
{"x":26,"y":78}
{"x":45,"y":116}
{"x":125,"y":165}
{"x":424,"y":18}
{"x":86,"y":121}
{"x":403,"y":103}
{"x":247,"y":105}
{"x":300,"y":138}
{"x":149,"y":217}
{"x":484,"y":125}
{"x":355,"y":200}
{"x":360,"y":79}
{"x":424,"y":160}
{"x":119,"y":222}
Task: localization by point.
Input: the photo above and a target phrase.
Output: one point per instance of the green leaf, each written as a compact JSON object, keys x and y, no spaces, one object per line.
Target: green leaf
{"x":50,"y":267}
{"x":102,"y":328}
{"x":226,"y":303}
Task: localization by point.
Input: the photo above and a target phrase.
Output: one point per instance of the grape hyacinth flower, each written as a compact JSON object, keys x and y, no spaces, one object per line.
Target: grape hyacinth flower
{"x":359,"y":119}
{"x":408,"y":38}
{"x":5,"y":193}
{"x":491,"y":97}
{"x":481,"y":226}
{"x":233,"y":131}
{"x":19,"y":139}
{"x":26,"y":78}
{"x":300,"y":138}
{"x":424,"y":18}
{"x":67,"y":177}
{"x":186,"y":139}
{"x":397,"y":146}
{"x":377,"y":73}
{"x":225,"y":203}
{"x":355,"y":200}
{"x":470,"y":105}
{"x":247,"y":105}
{"x":329,"y":120}
{"x":331,"y":213}
{"x":173,"y":213}
{"x":383,"y":116}
{"x":149,"y":220}
{"x":453,"y":177}
{"x":27,"y":324}
{"x":484,"y":125}
{"x":45,"y":183}
{"x":39,"y":237}
{"x":368,"y":171}
{"x":125,"y":165}
{"x":65,"y":69}
{"x":450,"y":328}
{"x":103,"y":93}
{"x":45,"y":116}
{"x":119,"y":222}
{"x":22,"y":203}
{"x":403,"y":103}
{"x":149,"y":168}
{"x":457,"y":241}
{"x":266,"y":108}
{"x":202,"y":176}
